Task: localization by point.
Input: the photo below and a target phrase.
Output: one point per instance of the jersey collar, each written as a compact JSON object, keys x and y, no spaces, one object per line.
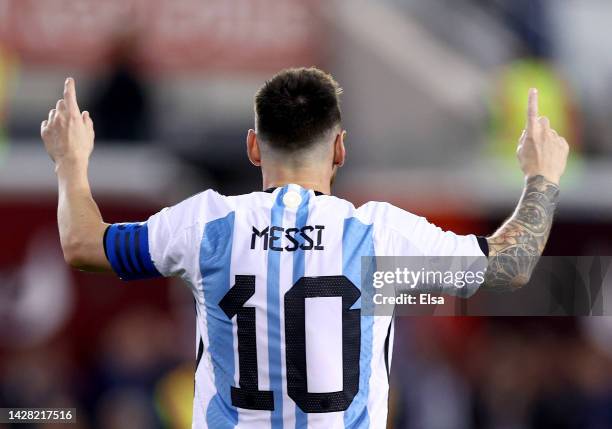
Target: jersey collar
{"x":271,"y":190}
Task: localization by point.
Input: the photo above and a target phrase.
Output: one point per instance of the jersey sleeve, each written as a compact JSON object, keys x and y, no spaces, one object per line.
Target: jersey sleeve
{"x":166,"y":245}
{"x":432,"y":240}
{"x":407,"y":234}
{"x":403,"y":234}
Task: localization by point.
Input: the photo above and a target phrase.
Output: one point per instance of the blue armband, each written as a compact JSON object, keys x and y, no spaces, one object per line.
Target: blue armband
{"x":127,"y":249}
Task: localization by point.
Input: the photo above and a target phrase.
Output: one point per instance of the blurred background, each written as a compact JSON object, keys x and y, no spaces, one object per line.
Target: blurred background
{"x":435,"y":95}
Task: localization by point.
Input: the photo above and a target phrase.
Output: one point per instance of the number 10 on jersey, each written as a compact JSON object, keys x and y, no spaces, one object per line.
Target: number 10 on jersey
{"x":248,"y":394}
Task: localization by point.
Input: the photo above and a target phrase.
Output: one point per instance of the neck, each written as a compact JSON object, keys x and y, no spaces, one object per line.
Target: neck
{"x":306,"y":178}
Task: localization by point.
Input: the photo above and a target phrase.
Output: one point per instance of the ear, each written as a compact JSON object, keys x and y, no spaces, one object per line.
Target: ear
{"x":252,"y":146}
{"x":339,"y":149}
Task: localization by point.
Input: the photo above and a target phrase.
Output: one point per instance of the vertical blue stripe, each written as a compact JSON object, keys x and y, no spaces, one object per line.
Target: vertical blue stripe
{"x":215,"y":261}
{"x":274,"y":324}
{"x":357,"y":241}
{"x":299,"y":266}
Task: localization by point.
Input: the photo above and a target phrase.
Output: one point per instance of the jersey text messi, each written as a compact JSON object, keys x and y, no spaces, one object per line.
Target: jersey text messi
{"x":280,"y":239}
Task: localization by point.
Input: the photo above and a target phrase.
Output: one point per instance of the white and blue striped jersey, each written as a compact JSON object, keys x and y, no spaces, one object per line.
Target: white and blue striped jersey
{"x":282,"y":343}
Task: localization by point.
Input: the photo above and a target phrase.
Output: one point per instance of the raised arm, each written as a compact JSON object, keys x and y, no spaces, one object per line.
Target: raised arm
{"x":517,"y":245}
{"x":69,"y":139}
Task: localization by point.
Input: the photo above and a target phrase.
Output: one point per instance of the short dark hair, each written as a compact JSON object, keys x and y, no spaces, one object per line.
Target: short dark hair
{"x":296,"y":108}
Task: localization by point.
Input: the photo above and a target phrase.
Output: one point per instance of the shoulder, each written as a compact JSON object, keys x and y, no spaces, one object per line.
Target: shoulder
{"x":386,"y":214}
{"x":198,"y":208}
{"x":210,"y":205}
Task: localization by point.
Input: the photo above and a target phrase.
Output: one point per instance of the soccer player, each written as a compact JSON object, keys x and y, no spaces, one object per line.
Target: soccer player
{"x":276,"y":273}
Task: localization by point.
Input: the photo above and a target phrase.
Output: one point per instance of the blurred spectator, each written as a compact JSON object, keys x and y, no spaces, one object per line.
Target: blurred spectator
{"x":508,"y":108}
{"x":498,"y":373}
{"x":174,"y":397}
{"x":130,"y":361}
{"x":530,"y":21}
{"x":6,"y":65}
{"x":121,"y":105}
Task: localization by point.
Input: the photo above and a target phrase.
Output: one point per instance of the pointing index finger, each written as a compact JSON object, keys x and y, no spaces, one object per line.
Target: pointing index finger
{"x":532,"y":109}
{"x":70,"y":95}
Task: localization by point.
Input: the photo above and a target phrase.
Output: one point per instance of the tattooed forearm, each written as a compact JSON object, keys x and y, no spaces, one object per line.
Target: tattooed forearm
{"x":515,"y":248}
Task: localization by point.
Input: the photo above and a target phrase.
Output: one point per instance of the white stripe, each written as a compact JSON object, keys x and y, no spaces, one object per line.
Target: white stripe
{"x":379,"y":380}
{"x":205,"y":388}
{"x":285,"y":283}
{"x":246,"y":261}
{"x":330,"y":212}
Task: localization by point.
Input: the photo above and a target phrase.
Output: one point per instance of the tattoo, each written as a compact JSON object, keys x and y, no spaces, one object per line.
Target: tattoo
{"x":514,"y":250}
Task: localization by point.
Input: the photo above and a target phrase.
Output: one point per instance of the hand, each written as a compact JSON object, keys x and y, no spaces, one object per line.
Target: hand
{"x":68,"y":134}
{"x":541,"y":151}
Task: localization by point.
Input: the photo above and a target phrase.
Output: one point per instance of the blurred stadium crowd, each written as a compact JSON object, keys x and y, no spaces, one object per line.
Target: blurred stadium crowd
{"x":434,"y":102}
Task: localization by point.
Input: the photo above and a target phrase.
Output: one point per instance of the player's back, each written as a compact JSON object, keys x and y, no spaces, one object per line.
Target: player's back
{"x":282,"y":339}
